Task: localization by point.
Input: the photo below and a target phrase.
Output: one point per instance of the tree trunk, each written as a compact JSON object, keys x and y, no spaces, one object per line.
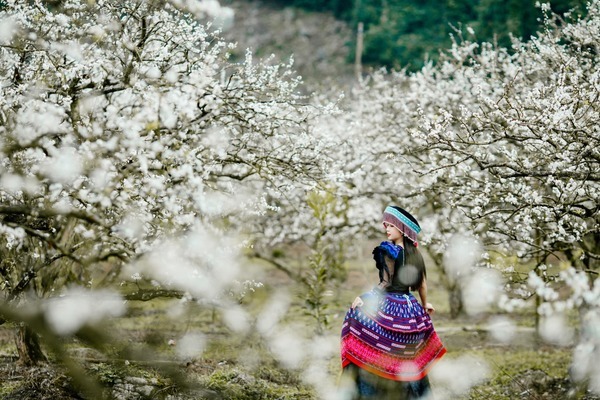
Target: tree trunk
{"x":455,"y":300}
{"x":28,"y":346}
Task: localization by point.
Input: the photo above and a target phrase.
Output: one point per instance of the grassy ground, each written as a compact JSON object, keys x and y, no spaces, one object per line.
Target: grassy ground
{"x":247,"y":365}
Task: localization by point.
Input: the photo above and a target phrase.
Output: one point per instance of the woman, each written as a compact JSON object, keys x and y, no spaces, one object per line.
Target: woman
{"x":388,"y":340}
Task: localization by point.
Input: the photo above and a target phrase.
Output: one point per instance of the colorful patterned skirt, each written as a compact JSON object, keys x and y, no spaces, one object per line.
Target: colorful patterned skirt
{"x":391,"y":336}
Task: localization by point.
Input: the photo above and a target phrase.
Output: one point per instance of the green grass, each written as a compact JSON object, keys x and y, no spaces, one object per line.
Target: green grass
{"x":266,"y":383}
{"x":509,"y":371}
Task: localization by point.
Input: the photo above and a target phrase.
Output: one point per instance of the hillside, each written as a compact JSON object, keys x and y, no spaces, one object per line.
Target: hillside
{"x":317,"y":41}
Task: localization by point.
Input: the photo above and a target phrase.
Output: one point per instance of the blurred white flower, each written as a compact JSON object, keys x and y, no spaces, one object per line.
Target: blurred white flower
{"x":78,"y":307}
{"x":37,"y":119}
{"x":585,"y":366}
{"x":555,"y":329}
{"x":11,"y":183}
{"x":236,"y":319}
{"x":288,"y":347}
{"x":502,"y":329}
{"x":481,"y":290}
{"x":202,"y":263}
{"x":64,"y":166}
{"x":131,"y":228}
{"x":456,"y":376}
{"x":224,"y":20}
{"x":190,"y":345}
{"x":321,"y":351}
{"x":461,"y":255}
{"x":8,"y":28}
{"x":270,"y":316}
{"x":204,"y":8}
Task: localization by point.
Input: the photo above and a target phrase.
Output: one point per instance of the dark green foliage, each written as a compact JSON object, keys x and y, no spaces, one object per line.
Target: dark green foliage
{"x":107,"y":374}
{"x":404,"y":33}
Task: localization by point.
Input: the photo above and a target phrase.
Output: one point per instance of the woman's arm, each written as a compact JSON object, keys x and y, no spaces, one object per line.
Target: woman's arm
{"x":423,"y":295}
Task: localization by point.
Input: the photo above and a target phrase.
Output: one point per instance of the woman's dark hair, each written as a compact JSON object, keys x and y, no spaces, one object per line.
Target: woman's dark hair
{"x":411,"y":277}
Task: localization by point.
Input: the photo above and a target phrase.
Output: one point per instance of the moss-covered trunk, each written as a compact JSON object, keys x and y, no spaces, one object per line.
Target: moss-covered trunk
{"x":28,"y":346}
{"x":455,"y":301}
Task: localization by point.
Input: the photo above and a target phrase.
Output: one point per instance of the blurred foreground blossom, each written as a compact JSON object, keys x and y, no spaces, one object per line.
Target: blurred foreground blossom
{"x":456,"y":376}
{"x":8,"y":28}
{"x":206,"y":9}
{"x":462,"y":254}
{"x":586,"y":354}
{"x":236,"y":318}
{"x":502,"y":329}
{"x":582,"y":292}
{"x":78,"y":307}
{"x":481,"y":287}
{"x":288,"y":347}
{"x":317,"y":373}
{"x":555,"y":329}
{"x":190,"y":345}
{"x":482,"y":290}
{"x":272,"y":313}
{"x":511,"y":304}
{"x":202,"y":263}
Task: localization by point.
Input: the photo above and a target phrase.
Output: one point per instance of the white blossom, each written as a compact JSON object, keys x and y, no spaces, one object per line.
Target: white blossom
{"x":78,"y":307}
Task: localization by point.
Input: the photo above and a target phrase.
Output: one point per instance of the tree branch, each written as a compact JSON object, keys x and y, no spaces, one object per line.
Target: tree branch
{"x":277,"y":265}
{"x":48,"y":213}
{"x":149,"y":294}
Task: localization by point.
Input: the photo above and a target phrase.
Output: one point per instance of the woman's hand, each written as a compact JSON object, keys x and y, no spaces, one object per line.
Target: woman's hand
{"x":358,"y":302}
{"x":429,"y":308}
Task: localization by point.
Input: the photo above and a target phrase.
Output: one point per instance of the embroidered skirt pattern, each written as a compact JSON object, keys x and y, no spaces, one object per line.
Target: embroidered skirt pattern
{"x":391,"y":336}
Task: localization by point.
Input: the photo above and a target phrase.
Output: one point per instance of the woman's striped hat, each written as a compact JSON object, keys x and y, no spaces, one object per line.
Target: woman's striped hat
{"x":401,"y":219}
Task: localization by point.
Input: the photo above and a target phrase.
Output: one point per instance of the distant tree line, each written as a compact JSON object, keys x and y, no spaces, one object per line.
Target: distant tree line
{"x":404,"y":33}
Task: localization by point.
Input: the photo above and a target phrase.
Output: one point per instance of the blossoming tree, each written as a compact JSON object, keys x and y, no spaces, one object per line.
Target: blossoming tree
{"x":123,"y":124}
{"x":525,"y":138}
{"x":501,"y":144}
